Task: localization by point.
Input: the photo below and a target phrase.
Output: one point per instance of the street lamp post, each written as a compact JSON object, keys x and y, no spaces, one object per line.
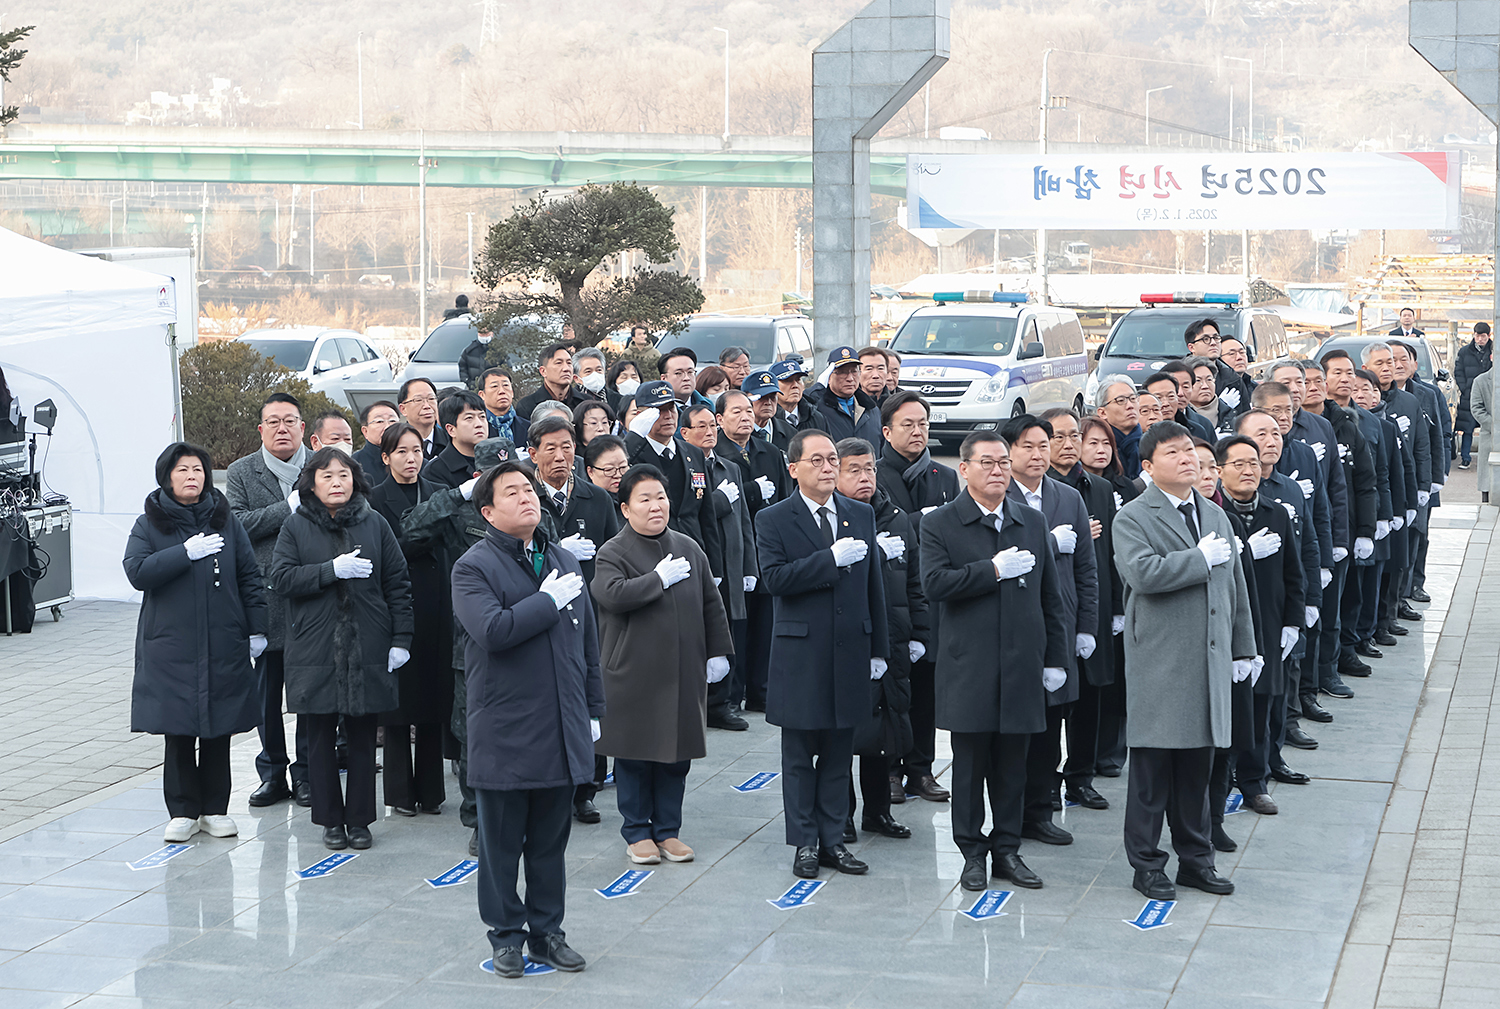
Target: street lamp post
{"x":312,"y":232}
{"x":359,"y":48}
{"x":1250,"y":116}
{"x":726,"y":80}
{"x":1149,"y":93}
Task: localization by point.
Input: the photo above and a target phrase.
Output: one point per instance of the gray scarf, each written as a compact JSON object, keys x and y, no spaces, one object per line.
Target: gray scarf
{"x":913,"y":473}
{"x":286,"y":473}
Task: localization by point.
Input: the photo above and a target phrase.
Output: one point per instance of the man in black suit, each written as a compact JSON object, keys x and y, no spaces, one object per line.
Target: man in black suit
{"x":463,"y":420}
{"x":418,"y":403}
{"x":988,"y":567}
{"x":820,"y":562}
{"x":653,"y":439}
{"x":373,"y":420}
{"x":555,"y":362}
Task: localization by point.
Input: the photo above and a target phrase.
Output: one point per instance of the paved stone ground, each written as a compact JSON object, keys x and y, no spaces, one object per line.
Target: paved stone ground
{"x":227,"y":922}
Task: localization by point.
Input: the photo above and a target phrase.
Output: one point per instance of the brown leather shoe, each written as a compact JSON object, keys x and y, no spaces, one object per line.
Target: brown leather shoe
{"x":1262,"y":804}
{"x":926,"y":787}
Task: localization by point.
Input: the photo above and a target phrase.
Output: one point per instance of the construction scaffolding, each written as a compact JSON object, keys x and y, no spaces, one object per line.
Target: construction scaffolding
{"x":1461,"y":285}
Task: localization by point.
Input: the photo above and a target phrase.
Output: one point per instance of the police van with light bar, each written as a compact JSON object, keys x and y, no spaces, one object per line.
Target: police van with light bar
{"x":1144,"y":339}
{"x":982,"y":357}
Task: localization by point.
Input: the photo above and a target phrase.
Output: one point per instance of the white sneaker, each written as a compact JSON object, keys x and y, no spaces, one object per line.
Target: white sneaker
{"x":180,"y":829}
{"x":218,"y":826}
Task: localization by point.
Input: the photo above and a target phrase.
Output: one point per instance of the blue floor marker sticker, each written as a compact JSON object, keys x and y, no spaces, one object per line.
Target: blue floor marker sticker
{"x":989,"y":905}
{"x":609,"y":779}
{"x":1233,"y":804}
{"x":797,"y":895}
{"x":455,"y":875}
{"x":531,"y":969}
{"x":1153,"y":915}
{"x":159,"y":857}
{"x":327,"y":865}
{"x":757,"y":782}
{"x":625,"y":884}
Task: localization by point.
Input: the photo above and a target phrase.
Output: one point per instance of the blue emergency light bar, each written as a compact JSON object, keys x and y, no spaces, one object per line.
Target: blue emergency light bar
{"x":988,"y":297}
{"x":1190,"y":298}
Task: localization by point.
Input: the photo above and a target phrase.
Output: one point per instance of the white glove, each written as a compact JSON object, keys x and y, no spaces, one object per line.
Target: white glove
{"x":1310,"y":615}
{"x":258,"y":645}
{"x":1397,"y":521}
{"x":203,"y":545}
{"x":352,"y":565}
{"x":1382,"y":530}
{"x":1436,"y":487}
{"x":1411,"y":515}
{"x":1239,"y":546}
{"x":1324,"y":577}
{"x":929,"y":508}
{"x":1119,"y":502}
{"x":1422,"y":499}
{"x":1288,"y":641}
{"x":767,"y":488}
{"x":1117,"y":624}
{"x":396,"y":658}
{"x":1404,"y":423}
{"x":849,"y":550}
{"x":1264,"y":543}
{"x":294,"y":500}
{"x":729,"y":490}
{"x":915,"y":650}
{"x":1306,"y":485}
{"x":1241,"y":671}
{"x":672,"y":570}
{"x":1289,"y":510}
{"x":1363,"y":547}
{"x":1084,"y":645}
{"x":1318,"y":448}
{"x":563,"y":588}
{"x":877,"y":668}
{"x":594,"y":730}
{"x":1215,"y":549}
{"x":1256,"y":665}
{"x":718,"y":668}
{"x":580,"y":546}
{"x":1053,"y":678}
{"x":750,"y":583}
{"x":467,"y":488}
{"x":1230,"y":398}
{"x":1339,"y":553}
{"x":1066,"y":539}
{"x":892,"y":545}
{"x":718,"y":582}
{"x":645,"y":421}
{"x":1013,"y":562}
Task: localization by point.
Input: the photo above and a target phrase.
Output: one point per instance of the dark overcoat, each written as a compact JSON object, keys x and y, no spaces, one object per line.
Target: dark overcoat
{"x":654,"y":647}
{"x":192,"y":654}
{"x":827,"y":621}
{"x":1099,"y":498}
{"x":735,"y":532}
{"x":689,"y":489}
{"x":888,"y":729}
{"x":1280,"y":588}
{"x":591,"y":512}
{"x":339,"y":631}
{"x":994,"y":637}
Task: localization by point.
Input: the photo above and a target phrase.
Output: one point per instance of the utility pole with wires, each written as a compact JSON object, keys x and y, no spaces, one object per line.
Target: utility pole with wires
{"x":489,"y":28}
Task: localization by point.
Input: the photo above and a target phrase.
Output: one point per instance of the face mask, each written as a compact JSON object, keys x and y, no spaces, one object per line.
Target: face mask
{"x":593,"y":382}
{"x":486,"y":337}
{"x":342,"y":446}
{"x":627,"y":386}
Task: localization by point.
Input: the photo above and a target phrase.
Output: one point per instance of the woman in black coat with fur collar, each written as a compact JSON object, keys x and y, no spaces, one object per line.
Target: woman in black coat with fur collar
{"x":348,"y":629}
{"x":203,"y":620}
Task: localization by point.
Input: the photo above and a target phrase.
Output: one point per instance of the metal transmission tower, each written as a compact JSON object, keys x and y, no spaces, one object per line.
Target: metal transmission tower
{"x":489,"y":29}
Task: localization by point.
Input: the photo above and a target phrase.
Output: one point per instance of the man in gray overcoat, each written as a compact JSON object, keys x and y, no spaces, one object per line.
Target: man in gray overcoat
{"x":1174,"y":551}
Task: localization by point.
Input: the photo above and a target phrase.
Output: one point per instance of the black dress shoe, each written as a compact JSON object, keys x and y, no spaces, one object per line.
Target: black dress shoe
{"x":1154,"y":884}
{"x":474,"y":843}
{"x":884,"y":826}
{"x":1261,"y":804}
{"x":1222,"y":841}
{"x":755,"y":706}
{"x":1301,"y":740}
{"x":1338,"y":688}
{"x":508,"y":962}
{"x":898,"y":790}
{"x":1385,"y":639}
{"x":404,"y":810}
{"x":805,"y":862}
{"x":554,"y":951}
{"x":1206,"y":880}
{"x":1397,"y":630}
{"x":1086,"y":797}
{"x":430,"y":809}
{"x":1368,"y":650}
{"x":1405,"y":612}
{"x":334,"y":838}
{"x":269,"y":793}
{"x":1419,"y":596}
{"x":926,"y":787}
{"x":850,"y":836}
{"x":1287,"y":776}
{"x":1313,"y":711}
{"x":302,"y":793}
{"x":1009,"y":866}
{"x":1107,"y":772}
{"x":1057,"y":803}
{"x":974,"y":877}
{"x":1045,"y":831}
{"x":1350,"y":665}
{"x":838,"y":857}
{"x":584,"y":811}
{"x":359,"y":838}
{"x":725,"y":717}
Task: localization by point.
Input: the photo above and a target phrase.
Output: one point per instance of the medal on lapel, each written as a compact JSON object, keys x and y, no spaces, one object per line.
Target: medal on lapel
{"x":700,"y":481}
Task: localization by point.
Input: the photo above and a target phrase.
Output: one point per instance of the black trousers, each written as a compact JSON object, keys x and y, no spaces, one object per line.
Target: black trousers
{"x":589,"y":789}
{"x":1174,"y":783}
{"x":1370,"y":580}
{"x":1418,"y":576}
{"x":815,"y":768}
{"x":272,"y":761}
{"x":330,"y":806}
{"x":1253,"y":766}
{"x":923,"y":722}
{"x":1083,"y":735}
{"x":1350,"y":606}
{"x":993,"y":762}
{"x":531,"y":824}
{"x":1043,"y":754}
{"x":1329,"y":627}
{"x":874,"y":785}
{"x":195,"y":776}
{"x":468,"y":810}
{"x":410,"y":782}
{"x":1111,"y":747}
{"x":758,"y":622}
{"x":723,"y":694}
{"x":1218,"y":783}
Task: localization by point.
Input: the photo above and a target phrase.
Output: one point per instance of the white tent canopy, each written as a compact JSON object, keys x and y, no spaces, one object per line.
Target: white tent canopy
{"x":92,"y":337}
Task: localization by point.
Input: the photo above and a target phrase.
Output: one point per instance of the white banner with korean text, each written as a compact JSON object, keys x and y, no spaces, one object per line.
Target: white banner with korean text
{"x":1207,"y":191}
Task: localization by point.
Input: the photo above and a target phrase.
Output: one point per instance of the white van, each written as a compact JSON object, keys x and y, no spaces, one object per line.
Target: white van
{"x":983,"y":357}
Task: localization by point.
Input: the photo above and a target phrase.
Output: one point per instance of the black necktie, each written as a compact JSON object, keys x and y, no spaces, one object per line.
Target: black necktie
{"x":560,"y":499}
{"x":993,"y":521}
{"x":825,"y":523}
{"x":1192,"y":521}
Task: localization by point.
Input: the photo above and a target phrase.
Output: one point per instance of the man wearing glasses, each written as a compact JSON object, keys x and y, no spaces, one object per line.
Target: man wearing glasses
{"x":1204,"y":340}
{"x":418,"y":404}
{"x":1119,"y":406}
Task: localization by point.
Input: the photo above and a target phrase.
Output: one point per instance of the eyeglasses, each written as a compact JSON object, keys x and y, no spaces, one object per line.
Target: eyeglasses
{"x":988,"y":465}
{"x":1210,"y":340}
{"x":610,"y":471}
{"x":279,"y":422}
{"x":1278,"y":411}
{"x":820,"y":461}
{"x":1242,"y":464}
{"x":1067,"y":436}
{"x":908,"y":425}
{"x":419,"y":400}
{"x":1204,"y":380}
{"x":1122,"y":400}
